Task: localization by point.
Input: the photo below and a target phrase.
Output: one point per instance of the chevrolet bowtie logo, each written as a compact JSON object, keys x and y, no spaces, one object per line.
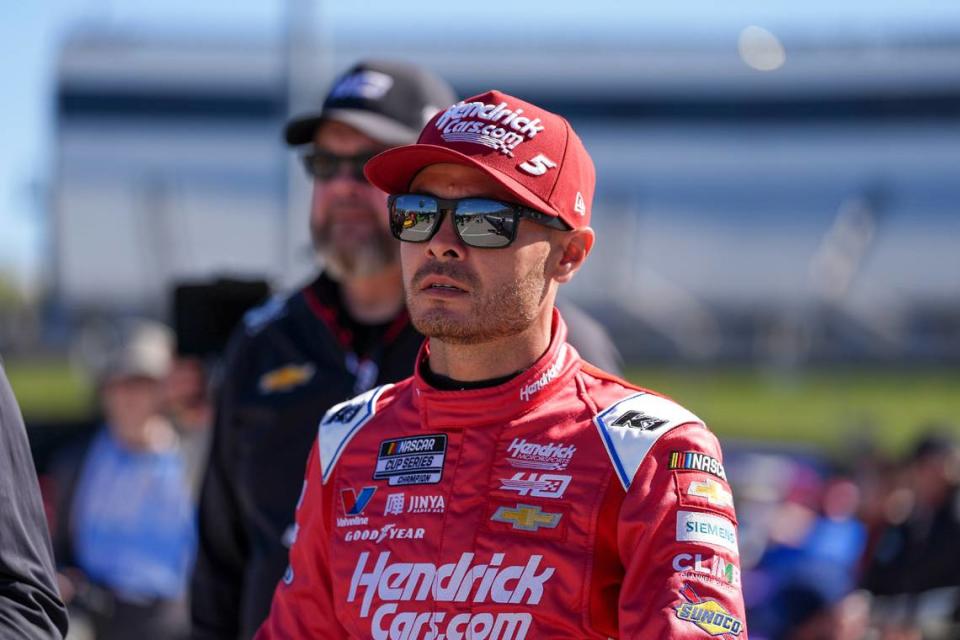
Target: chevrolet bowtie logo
{"x":526,"y":517}
{"x":711,"y":490}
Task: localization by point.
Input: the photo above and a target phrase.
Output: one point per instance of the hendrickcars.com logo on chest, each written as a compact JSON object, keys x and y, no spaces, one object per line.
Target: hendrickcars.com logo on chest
{"x":464,"y":581}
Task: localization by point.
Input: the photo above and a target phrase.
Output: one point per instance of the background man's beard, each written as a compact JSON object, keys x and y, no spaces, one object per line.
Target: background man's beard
{"x":369,"y":258}
{"x":508,"y":311}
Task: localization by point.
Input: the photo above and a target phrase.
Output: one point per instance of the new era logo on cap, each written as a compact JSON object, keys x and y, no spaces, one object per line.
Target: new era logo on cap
{"x":533,"y":153}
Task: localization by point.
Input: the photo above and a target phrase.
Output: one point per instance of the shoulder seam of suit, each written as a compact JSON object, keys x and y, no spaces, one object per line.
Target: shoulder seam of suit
{"x":631,"y":426}
{"x":341,"y":423}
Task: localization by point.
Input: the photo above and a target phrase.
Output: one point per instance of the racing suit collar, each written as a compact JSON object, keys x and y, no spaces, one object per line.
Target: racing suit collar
{"x":502,"y":403}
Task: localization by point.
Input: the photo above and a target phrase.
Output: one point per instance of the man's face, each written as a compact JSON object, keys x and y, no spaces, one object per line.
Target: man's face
{"x":129,"y":402}
{"x":464,"y":295}
{"x":348,"y":221}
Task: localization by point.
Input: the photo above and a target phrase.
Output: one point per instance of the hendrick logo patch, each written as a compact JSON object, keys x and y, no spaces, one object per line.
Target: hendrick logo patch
{"x":553,"y":456}
{"x":413,"y":460}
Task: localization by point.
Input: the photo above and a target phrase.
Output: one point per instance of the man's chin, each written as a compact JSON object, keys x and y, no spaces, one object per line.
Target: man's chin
{"x":447,"y":326}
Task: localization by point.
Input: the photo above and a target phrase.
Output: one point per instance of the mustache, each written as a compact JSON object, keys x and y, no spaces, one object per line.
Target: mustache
{"x":454,"y":271}
{"x":350,"y":204}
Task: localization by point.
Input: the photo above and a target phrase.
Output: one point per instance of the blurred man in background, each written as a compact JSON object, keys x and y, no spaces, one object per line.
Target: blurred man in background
{"x":294,"y":358}
{"x":915,"y":570}
{"x":125,"y":528}
{"x":30,"y":605}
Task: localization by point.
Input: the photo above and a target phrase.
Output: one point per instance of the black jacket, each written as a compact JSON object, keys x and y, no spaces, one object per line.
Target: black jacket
{"x":292,"y":360}
{"x":30,"y":605}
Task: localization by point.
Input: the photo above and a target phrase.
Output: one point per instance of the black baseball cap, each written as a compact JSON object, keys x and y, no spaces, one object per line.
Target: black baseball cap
{"x":388,"y":101}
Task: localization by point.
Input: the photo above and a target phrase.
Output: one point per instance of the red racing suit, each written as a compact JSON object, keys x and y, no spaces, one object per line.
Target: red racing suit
{"x":564,"y":503}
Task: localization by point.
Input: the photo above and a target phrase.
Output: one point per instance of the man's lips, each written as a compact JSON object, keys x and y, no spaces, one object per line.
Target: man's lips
{"x":440,"y":284}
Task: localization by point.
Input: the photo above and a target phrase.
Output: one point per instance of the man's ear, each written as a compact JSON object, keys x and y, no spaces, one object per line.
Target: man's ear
{"x":575,"y":247}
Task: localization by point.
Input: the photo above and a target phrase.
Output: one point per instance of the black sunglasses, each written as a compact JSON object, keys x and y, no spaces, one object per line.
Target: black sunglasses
{"x":480,"y":222}
{"x":323,"y":165}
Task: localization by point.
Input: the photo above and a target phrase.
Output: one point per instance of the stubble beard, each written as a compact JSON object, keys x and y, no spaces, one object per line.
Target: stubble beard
{"x":365,"y":259}
{"x":501,"y":313}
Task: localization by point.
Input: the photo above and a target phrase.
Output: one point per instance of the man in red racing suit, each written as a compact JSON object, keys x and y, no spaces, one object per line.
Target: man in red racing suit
{"x":557,"y":502}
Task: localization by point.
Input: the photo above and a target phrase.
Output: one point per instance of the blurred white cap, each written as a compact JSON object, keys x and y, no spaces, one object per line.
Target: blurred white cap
{"x":144,"y":350}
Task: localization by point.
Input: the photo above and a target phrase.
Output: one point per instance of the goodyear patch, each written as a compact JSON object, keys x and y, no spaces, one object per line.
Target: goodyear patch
{"x":414,"y":460}
{"x":711,"y":616}
{"x":286,"y":378}
{"x":696,"y":461}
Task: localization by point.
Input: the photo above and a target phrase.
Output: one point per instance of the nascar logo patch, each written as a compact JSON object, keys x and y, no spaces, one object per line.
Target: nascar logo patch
{"x":413,"y":460}
{"x":696,"y":461}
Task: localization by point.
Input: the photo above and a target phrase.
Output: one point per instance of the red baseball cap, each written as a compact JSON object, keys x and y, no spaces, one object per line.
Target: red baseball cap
{"x":532,"y":152}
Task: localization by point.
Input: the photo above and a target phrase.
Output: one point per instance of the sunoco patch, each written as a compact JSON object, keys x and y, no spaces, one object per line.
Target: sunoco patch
{"x":415,"y":460}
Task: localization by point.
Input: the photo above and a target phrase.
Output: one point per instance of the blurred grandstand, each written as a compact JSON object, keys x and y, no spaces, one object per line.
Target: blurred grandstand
{"x":807,"y":214}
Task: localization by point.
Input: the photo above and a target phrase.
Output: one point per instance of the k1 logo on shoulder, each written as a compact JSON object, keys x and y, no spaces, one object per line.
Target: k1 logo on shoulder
{"x":638,"y":420}
{"x":695,"y":526}
{"x":413,"y":460}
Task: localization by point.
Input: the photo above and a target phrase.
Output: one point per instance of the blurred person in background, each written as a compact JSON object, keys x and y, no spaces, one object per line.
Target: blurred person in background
{"x":188,"y":405}
{"x":294,"y":358}
{"x":30,"y":605}
{"x":914,"y":573}
{"x":125,"y":532}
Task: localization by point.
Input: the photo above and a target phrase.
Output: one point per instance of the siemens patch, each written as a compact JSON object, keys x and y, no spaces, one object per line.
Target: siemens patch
{"x":695,"y":526}
{"x":415,"y":460}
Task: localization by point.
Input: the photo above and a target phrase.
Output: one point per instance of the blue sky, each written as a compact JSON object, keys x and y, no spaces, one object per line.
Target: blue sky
{"x":31,"y":34}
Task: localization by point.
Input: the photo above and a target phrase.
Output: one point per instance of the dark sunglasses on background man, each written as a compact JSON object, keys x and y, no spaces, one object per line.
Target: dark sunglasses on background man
{"x":480,"y":222}
{"x":323,"y":165}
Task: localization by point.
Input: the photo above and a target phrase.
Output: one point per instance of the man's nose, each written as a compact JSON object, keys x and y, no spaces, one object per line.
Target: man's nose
{"x":446,"y":242}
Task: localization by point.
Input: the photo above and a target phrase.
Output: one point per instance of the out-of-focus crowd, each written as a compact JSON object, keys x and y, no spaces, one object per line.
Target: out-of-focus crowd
{"x":859,"y":548}
{"x":121,"y":496}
